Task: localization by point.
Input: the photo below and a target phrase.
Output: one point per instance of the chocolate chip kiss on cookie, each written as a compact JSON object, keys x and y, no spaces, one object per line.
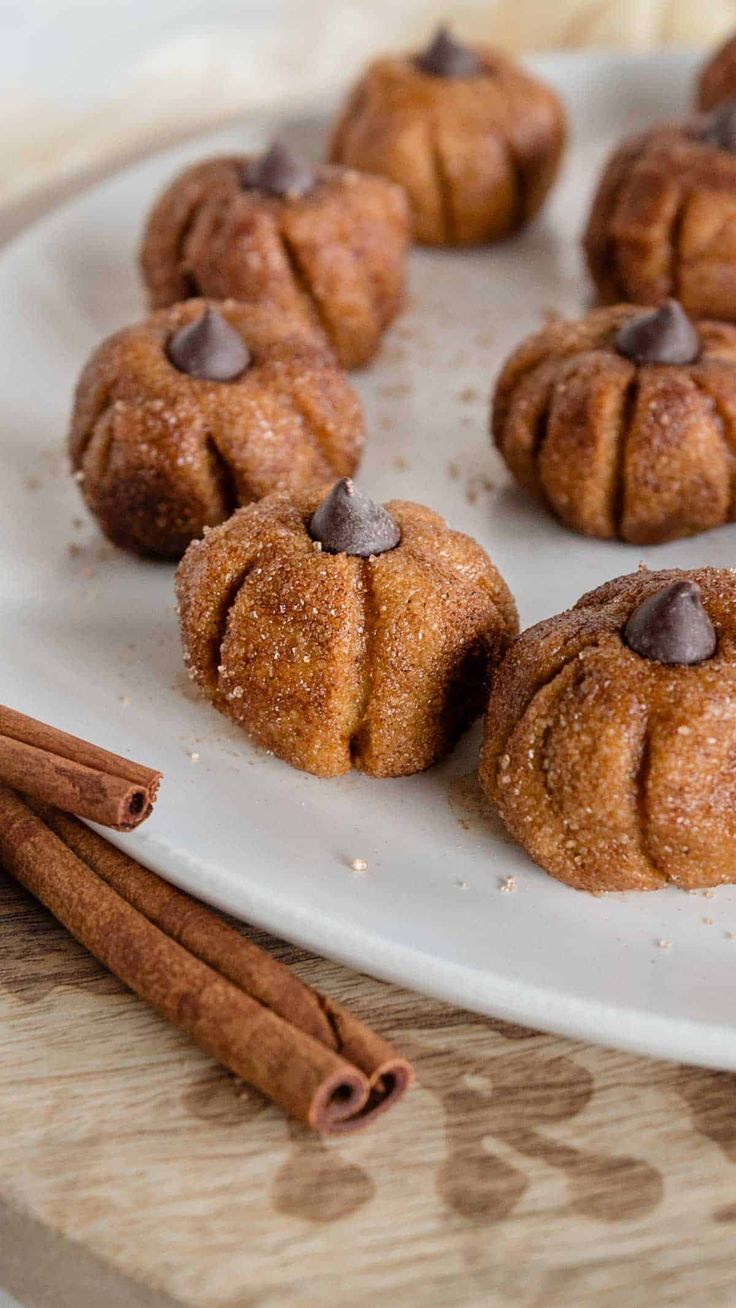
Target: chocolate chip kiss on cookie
{"x":340,"y":632}
{"x":209,"y":347}
{"x":671,"y":626}
{"x":347,"y":522}
{"x":447,"y":57}
{"x":666,"y":335}
{"x":279,"y":172}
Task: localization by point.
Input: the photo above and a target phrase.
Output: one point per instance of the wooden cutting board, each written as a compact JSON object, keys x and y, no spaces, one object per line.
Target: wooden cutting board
{"x":523,"y":1170}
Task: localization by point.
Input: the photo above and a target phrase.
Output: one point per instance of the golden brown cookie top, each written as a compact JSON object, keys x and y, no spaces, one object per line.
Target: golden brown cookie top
{"x":133,"y":365}
{"x":497,"y":92}
{"x":693,"y":151}
{"x":598,"y":622}
{"x":223,"y":178}
{"x":597,"y":335}
{"x":214,"y":196}
{"x":278,"y":528}
{"x":607,"y":608}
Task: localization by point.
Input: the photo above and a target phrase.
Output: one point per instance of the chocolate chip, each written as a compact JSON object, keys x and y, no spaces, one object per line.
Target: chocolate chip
{"x":446,"y":57}
{"x":279,"y":172}
{"x":210,"y":348}
{"x":671,"y":626}
{"x":719,"y":128}
{"x":347,"y":522}
{"x":666,"y":335}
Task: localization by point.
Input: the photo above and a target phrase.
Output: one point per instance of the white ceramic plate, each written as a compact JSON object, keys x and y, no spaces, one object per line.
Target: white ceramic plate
{"x":89,"y":636}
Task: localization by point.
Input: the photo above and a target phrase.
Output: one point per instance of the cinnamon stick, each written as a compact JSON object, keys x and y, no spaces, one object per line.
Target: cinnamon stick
{"x":297,"y":1047}
{"x":73,"y":774}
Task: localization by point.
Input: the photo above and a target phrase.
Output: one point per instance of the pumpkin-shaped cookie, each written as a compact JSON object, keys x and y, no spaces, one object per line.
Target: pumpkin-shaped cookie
{"x":201,"y":408}
{"x":663,"y":219}
{"x":474,"y":140}
{"x":344,"y":633}
{"x":325,"y":245}
{"x":624,"y":423}
{"x":610,"y":737}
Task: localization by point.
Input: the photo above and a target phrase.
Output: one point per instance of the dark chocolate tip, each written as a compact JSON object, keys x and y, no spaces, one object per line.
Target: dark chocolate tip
{"x":279,"y":172}
{"x":446,"y":57}
{"x":348,"y":522}
{"x":719,"y":128}
{"x":671,"y":626}
{"x":209,"y":348}
{"x":665,"y":335}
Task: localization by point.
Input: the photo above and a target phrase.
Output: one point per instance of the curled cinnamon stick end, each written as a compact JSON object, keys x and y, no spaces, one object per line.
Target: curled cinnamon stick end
{"x":297,"y":1047}
{"x":341,"y":1112}
{"x":73,"y":774}
{"x":349,"y":1105}
{"x":389,"y":1075}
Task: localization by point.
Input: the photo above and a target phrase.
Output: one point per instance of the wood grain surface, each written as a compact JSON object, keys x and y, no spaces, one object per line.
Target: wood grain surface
{"x":522,"y":1170}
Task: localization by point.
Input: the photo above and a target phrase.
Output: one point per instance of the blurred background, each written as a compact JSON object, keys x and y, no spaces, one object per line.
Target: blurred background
{"x":84,"y":85}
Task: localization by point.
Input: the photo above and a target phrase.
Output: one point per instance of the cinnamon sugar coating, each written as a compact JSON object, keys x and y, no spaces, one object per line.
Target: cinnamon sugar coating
{"x":663,"y":223}
{"x":615,"y":772}
{"x":645,"y":453}
{"x":333,"y":258}
{"x":476,"y":155}
{"x":161,"y":455}
{"x":332,"y":661}
{"x":717,"y":78}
